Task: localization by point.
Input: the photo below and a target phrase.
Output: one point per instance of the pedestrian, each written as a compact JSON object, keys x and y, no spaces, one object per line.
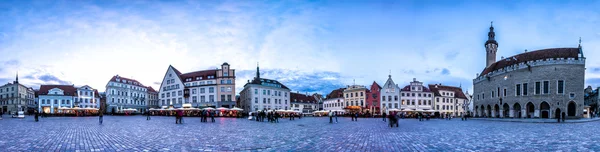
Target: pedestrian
{"x":356,"y":116}
{"x":330,"y":116}
{"x":277,"y":115}
{"x":563,"y":117}
{"x":36,"y":115}
{"x":212,"y":116}
{"x":384,"y":117}
{"x":147,"y":115}
{"x":100,"y":115}
{"x":336,"y":115}
{"x":557,"y":116}
{"x":392,"y":119}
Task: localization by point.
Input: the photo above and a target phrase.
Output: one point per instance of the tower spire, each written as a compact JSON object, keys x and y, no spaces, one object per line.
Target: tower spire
{"x":257,"y":71}
{"x":491,"y":46}
{"x":17,"y":77}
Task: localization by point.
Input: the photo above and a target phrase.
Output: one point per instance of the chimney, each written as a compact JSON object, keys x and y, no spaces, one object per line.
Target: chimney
{"x":414,"y":79}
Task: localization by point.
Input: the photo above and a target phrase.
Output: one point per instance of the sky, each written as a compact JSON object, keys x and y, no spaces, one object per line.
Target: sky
{"x":310,"y":46}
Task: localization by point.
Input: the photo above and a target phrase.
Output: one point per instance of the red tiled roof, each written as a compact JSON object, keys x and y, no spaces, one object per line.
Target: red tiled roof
{"x":133,"y":81}
{"x":69,"y":90}
{"x":204,"y":74}
{"x":296,"y":97}
{"x":150,"y":89}
{"x":457,"y":91}
{"x":532,"y":56}
{"x":337,"y":93}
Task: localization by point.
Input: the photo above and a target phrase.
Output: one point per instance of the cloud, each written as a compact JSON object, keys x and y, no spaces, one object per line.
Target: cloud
{"x":445,"y":71}
{"x":321,"y":82}
{"x":51,"y":79}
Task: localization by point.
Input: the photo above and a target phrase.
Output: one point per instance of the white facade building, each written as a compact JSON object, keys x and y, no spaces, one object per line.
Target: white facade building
{"x":124,"y":93}
{"x":390,"y":96}
{"x":208,"y":88}
{"x":449,"y":100}
{"x":264,"y":94}
{"x":416,"y":96}
{"x":335,"y":100}
{"x":52,"y":98}
{"x":303,"y":103}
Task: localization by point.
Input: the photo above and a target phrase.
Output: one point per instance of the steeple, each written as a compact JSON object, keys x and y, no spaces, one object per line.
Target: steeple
{"x":580,"y":49}
{"x":257,"y":71}
{"x":491,"y":47}
{"x":17,"y":78}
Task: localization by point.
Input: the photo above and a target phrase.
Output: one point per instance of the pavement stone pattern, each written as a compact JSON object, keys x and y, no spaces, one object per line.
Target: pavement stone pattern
{"x":135,"y":133}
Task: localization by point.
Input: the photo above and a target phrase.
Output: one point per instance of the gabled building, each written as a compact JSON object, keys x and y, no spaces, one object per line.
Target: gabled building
{"x":334,"y":100}
{"x":303,"y":102}
{"x":264,"y":94}
{"x":449,"y":100}
{"x":390,"y":96}
{"x":373,"y":99}
{"x":207,"y":88}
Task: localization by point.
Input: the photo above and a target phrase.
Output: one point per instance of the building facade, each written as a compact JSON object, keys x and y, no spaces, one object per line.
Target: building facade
{"x":208,"y":88}
{"x":152,"y":98}
{"x":264,"y":94}
{"x":538,"y":84}
{"x":124,"y":93}
{"x":52,"y":98}
{"x":303,"y":102}
{"x":416,"y":96}
{"x":355,"y":96}
{"x":16,"y":97}
{"x":86,"y":97}
{"x":449,"y":100}
{"x":334,"y":100}
{"x":373,"y":99}
{"x":591,"y":99}
{"x":390,"y":96}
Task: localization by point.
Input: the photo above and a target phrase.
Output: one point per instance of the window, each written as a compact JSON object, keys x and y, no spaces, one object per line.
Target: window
{"x":492,"y":94}
{"x":211,"y":90}
{"x":194,"y":99}
{"x":202,"y":99}
{"x":222,"y":89}
{"x":179,"y":92}
{"x":255,"y":91}
{"x":193,"y":91}
{"x":264,"y":100}
{"x":269,"y":101}
{"x":518,"y":89}
{"x":211,"y":98}
{"x":546,"y":89}
{"x":437,"y":99}
{"x":524,"y":89}
{"x":561,"y":85}
{"x":498,"y":91}
{"x":202,"y":90}
{"x":505,"y":92}
{"x":222,"y":97}
{"x":538,"y":88}
{"x":395,"y":98}
{"x":229,"y":98}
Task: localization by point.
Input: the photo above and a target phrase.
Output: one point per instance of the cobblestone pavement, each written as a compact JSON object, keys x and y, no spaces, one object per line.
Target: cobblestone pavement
{"x":135,"y":133}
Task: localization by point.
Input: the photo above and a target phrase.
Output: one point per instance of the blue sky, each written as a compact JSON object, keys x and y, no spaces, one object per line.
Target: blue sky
{"x":311,"y":46}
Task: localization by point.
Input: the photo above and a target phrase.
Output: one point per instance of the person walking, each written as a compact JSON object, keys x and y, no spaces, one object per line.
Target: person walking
{"x":148,"y":115}
{"x":384,"y":117}
{"x":35,"y":112}
{"x":557,"y":116}
{"x":100,"y":116}
{"x":391,"y":119}
{"x":336,"y":115}
{"x":277,"y":115}
{"x":212,"y":116}
{"x":563,"y":117}
{"x":330,"y":116}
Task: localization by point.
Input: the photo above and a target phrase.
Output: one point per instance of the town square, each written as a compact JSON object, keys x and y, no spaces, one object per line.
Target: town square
{"x":135,"y":133}
{"x":324,"y":75}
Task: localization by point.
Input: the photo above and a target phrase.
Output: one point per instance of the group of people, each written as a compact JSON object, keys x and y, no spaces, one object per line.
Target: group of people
{"x":207,"y":113}
{"x":334,"y":114}
{"x":273,"y":117}
{"x":393,"y":118}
